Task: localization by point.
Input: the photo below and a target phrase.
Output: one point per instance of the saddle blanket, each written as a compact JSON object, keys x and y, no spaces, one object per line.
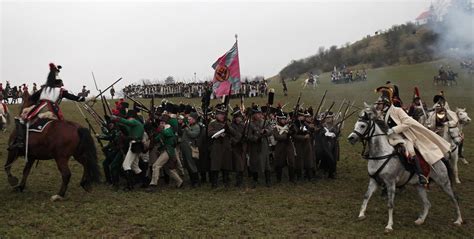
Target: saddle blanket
{"x":39,"y":125}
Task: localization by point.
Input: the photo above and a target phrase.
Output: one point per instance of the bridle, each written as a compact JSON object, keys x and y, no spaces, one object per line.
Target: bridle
{"x":365,"y":138}
{"x":367,"y":135}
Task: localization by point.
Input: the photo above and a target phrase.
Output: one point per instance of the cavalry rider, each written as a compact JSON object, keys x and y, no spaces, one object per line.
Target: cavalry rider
{"x":45,"y":104}
{"x":417,"y":108}
{"x":413,"y":135}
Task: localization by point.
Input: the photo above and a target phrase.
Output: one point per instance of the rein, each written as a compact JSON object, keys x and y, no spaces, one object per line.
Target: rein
{"x":365,"y":138}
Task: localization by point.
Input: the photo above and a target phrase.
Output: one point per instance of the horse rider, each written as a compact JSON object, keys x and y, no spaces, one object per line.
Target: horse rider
{"x":417,"y":108}
{"x":402,"y":129}
{"x":45,"y":105}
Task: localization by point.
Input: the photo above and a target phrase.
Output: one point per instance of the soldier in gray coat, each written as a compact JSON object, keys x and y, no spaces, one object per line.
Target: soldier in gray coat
{"x":258,"y":146}
{"x":220,"y":134}
{"x":191,"y":132}
{"x":284,"y":148}
{"x":239,"y":160}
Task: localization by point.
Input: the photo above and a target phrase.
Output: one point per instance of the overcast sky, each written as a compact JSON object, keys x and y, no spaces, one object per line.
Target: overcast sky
{"x":152,"y":40}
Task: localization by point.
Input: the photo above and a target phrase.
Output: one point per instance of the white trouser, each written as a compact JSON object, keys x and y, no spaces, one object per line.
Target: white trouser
{"x":164,"y":157}
{"x":131,"y":160}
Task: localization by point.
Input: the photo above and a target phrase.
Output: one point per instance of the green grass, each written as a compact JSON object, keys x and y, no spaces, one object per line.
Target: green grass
{"x":327,"y":208}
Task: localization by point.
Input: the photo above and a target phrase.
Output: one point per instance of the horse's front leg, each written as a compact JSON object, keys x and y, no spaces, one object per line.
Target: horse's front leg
{"x":370,"y":191}
{"x":454,"y":158}
{"x":63,"y":167}
{"x":26,"y":172}
{"x":391,"y":198}
{"x":426,"y":205}
{"x":12,"y":156}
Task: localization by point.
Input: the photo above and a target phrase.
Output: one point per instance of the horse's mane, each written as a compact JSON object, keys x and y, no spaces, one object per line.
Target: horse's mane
{"x":382,"y":125}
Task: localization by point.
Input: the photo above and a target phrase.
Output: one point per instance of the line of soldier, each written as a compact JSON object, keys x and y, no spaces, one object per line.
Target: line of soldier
{"x":216,"y":143}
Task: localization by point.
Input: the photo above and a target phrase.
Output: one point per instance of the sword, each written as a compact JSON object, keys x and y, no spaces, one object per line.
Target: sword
{"x":106,"y":89}
{"x":27,"y":139}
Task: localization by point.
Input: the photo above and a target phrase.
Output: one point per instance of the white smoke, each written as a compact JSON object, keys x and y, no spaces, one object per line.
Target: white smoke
{"x":455,"y":29}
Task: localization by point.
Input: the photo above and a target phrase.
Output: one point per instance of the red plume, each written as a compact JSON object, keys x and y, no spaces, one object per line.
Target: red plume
{"x":52,"y":66}
{"x":417,"y":92}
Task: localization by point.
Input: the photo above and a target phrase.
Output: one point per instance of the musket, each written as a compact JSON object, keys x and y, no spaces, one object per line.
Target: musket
{"x":110,"y":86}
{"x":297,"y":106}
{"x":340,"y":108}
{"x":144,"y":108}
{"x":321,"y":103}
{"x":325,"y":115}
{"x":90,"y":125}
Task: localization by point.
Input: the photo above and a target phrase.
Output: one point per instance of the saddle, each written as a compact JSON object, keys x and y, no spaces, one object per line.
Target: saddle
{"x":409,"y":163}
{"x":39,"y":125}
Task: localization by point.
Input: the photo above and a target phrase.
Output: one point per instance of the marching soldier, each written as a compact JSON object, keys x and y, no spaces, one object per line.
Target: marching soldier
{"x":188,"y":143}
{"x":303,"y":145}
{"x":239,"y":159}
{"x":284,"y":149}
{"x":220,"y":133}
{"x":258,"y":147}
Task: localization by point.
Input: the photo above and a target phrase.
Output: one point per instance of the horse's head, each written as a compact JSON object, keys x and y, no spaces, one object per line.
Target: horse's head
{"x":362,"y":126}
{"x":26,"y":101}
{"x":463,"y":116}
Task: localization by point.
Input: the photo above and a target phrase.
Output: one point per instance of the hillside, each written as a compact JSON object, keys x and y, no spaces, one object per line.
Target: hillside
{"x":401,"y":44}
{"x":326,"y":208}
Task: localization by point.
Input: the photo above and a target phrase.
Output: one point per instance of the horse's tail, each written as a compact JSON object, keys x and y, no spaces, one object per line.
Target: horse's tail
{"x":88,"y":152}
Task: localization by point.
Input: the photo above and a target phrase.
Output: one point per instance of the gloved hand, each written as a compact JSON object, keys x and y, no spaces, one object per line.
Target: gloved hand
{"x":390,"y":131}
{"x":114,"y":117}
{"x":82,"y":99}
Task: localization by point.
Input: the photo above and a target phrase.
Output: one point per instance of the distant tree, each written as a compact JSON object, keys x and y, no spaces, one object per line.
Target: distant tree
{"x":169,"y":80}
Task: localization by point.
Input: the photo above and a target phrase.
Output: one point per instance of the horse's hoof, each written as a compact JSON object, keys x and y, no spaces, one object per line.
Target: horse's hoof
{"x":419,"y":221}
{"x":388,"y":230}
{"x":361,"y":218}
{"x":56,"y":198}
{"x":12,"y":180}
{"x":458,"y":181}
{"x":458,"y":222}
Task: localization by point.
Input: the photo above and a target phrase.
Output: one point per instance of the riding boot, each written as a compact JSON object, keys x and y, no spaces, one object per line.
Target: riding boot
{"x":255,"y":180}
{"x":279,"y":172}
{"x":145,"y":181}
{"x":291,"y":174}
{"x":19,"y":142}
{"x":421,"y":178}
{"x":268,"y":181}
{"x":129,"y":177}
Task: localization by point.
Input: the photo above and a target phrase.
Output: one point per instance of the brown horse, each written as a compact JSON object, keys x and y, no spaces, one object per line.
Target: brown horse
{"x":59,"y":140}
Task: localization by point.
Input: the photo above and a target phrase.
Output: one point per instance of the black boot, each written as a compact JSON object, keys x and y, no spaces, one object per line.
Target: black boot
{"x":194,"y":179}
{"x":225,"y":178}
{"x":255,"y":180}
{"x":213,"y":177}
{"x":129,"y":176}
{"x":19,"y":142}
{"x":279,"y":173}
{"x":291,"y":174}
{"x":298,"y":173}
{"x":421,"y":178}
{"x":239,"y":178}
{"x":203,"y":178}
{"x":268,"y":181}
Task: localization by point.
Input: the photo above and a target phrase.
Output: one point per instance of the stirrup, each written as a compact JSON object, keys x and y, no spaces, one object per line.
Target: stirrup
{"x":422,"y":177}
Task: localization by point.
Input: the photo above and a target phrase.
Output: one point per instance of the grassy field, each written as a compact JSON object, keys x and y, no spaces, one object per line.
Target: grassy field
{"x":326,"y":208}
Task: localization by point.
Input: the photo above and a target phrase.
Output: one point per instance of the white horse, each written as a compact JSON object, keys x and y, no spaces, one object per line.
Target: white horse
{"x":313,"y":82}
{"x":385,"y":167}
{"x":464,"y":120}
